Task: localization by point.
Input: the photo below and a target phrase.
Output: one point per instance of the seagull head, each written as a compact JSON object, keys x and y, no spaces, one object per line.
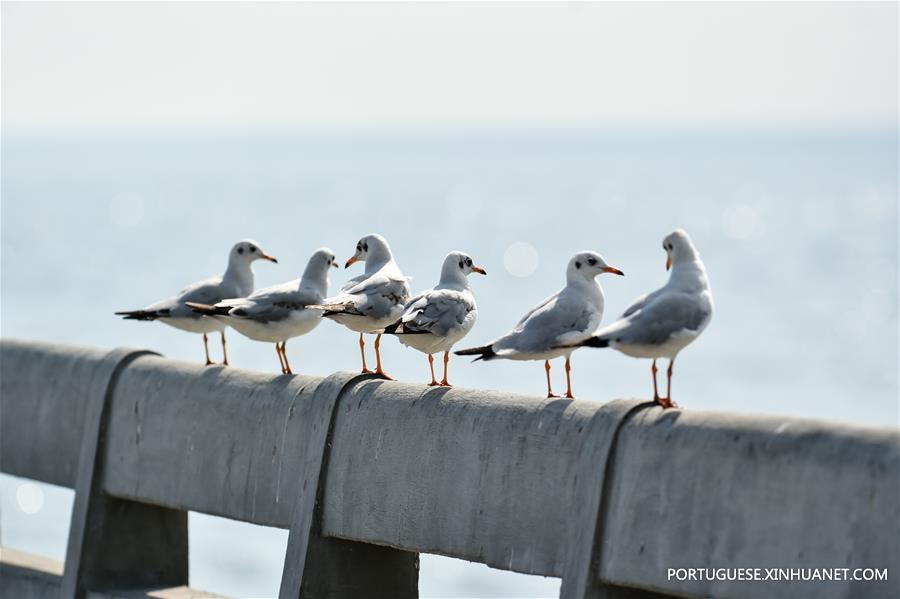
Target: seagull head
{"x":316,"y":274}
{"x":588,"y":265}
{"x":457,"y":266}
{"x":373,"y":249}
{"x":678,"y":247}
{"x":246,"y":251}
{"x":322,"y":259}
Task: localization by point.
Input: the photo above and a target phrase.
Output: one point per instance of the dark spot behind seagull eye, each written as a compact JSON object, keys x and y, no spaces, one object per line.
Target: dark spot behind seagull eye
{"x":240,"y":250}
{"x":365,"y":247}
{"x":671,"y":247}
{"x":578,"y":265}
{"x":460,"y":263}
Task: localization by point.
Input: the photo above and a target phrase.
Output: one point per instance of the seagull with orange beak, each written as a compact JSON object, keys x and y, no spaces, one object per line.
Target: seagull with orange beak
{"x":237,"y":281}
{"x":435,"y":320}
{"x":567,"y":317}
{"x":662,"y":323}
{"x":373,"y":300}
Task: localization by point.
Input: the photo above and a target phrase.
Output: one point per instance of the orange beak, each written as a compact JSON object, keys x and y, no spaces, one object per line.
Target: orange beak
{"x":351,"y":261}
{"x":479,"y":270}
{"x":269,"y":257}
{"x":668,"y":262}
{"x":613,"y":270}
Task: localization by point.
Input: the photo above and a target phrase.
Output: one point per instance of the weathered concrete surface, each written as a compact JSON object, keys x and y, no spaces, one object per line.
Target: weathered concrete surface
{"x":694,"y":489}
{"x":609,"y":496}
{"x":46,"y":388}
{"x":485,"y":476}
{"x":316,"y":566}
{"x":221,"y":441}
{"x":114,"y":543}
{"x":25,"y":575}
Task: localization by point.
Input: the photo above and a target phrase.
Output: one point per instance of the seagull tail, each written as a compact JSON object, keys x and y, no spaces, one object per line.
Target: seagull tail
{"x":393,"y":329}
{"x":485,"y":352}
{"x":139,"y":314}
{"x":332,"y":309}
{"x":589,"y":342}
{"x":207,"y":309}
{"x":595,"y":342}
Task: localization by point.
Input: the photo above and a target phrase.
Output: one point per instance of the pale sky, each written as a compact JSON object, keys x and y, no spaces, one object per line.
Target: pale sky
{"x":130,"y":66}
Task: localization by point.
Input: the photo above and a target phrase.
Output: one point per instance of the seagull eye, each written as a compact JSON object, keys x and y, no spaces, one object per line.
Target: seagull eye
{"x":591,"y":261}
{"x":468,"y":262}
{"x":252,"y":249}
{"x":671,"y":247}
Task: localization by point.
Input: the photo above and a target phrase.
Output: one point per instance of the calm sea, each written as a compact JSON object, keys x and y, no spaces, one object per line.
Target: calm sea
{"x":799,"y":233}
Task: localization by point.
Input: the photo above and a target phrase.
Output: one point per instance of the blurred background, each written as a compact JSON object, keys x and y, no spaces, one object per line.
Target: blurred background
{"x":140,"y":140}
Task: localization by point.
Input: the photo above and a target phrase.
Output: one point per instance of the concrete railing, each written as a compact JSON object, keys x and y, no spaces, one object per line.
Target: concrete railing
{"x":366,"y":474}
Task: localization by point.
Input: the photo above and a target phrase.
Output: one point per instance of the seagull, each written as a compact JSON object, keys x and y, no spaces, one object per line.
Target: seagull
{"x":662,"y":323}
{"x":435,"y":320}
{"x":236,"y":282}
{"x":280,"y":312}
{"x":373,"y":300}
{"x":568,"y":316}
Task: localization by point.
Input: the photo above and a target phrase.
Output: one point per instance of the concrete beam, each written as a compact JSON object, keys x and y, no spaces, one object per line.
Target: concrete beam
{"x":48,"y":386}
{"x":368,"y":473}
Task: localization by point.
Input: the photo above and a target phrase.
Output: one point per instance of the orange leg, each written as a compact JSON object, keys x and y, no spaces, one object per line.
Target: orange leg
{"x":445,"y":382}
{"x":378,"y":369}
{"x":550,"y":392}
{"x":362,"y":352}
{"x":668,"y":401}
{"x":287,"y":365}
{"x":206,"y":349}
{"x":433,"y":382}
{"x":653,"y":372}
{"x":224,"y":349}
{"x":569,"y":379}
{"x":280,"y":359}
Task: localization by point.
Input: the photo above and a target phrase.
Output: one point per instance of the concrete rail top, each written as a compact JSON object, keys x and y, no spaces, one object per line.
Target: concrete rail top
{"x":616,"y":493}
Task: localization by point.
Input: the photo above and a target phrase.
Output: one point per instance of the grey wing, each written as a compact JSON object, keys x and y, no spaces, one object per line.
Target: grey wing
{"x":557,"y":321}
{"x":379,"y":295}
{"x":275,"y":304}
{"x":210,"y":292}
{"x":660,"y":318}
{"x":541,"y":306}
{"x":569,"y":320}
{"x":351,"y":283}
{"x":438,"y":312}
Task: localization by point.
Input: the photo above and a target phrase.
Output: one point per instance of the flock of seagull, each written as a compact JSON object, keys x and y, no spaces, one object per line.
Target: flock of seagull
{"x":656,"y":325}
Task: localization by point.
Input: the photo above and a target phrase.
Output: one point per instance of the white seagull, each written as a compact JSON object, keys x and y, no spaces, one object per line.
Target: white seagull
{"x":662,"y":323}
{"x":373,"y":300}
{"x":280,"y":312}
{"x":237,"y":281}
{"x":435,"y":320}
{"x":568,"y":316}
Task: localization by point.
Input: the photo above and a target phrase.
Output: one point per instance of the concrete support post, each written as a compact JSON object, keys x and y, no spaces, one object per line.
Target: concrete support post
{"x":114,"y":543}
{"x":581,"y":578}
{"x":323,"y":567}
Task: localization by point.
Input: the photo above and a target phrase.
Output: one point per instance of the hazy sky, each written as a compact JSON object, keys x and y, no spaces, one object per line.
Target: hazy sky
{"x":223,"y":65}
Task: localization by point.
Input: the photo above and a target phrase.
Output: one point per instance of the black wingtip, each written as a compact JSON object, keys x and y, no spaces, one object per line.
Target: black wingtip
{"x":485,"y":352}
{"x":393,"y":329}
{"x":595,"y":342}
{"x":137,"y":315}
